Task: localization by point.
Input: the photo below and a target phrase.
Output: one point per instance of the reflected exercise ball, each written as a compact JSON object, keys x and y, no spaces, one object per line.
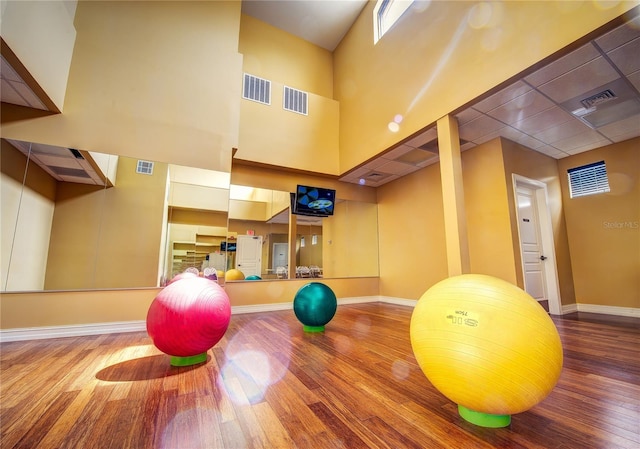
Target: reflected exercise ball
{"x":253,"y":277}
{"x":234,"y":275}
{"x":315,"y":304}
{"x":486,"y":345}
{"x":187,"y":318}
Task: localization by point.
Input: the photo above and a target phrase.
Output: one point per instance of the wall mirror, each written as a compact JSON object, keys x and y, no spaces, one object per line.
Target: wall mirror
{"x":343,"y":245}
{"x":75,"y":219}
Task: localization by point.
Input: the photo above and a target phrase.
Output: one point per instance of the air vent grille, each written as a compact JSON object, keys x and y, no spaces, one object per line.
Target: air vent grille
{"x":144,"y":167}
{"x":598,"y":98}
{"x":71,"y":172}
{"x":256,"y":89}
{"x":295,"y":100}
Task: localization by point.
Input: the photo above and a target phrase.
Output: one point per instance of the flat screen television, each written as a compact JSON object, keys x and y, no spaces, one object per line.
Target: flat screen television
{"x":224,"y":246}
{"x":313,"y":201}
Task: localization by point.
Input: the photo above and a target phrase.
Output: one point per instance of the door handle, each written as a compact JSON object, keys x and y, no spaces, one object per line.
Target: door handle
{"x":543,"y":257}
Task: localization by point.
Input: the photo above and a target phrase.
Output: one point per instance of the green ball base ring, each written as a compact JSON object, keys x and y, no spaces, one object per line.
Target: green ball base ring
{"x":484,"y":419}
{"x":312,"y":328}
{"x":188,"y":361}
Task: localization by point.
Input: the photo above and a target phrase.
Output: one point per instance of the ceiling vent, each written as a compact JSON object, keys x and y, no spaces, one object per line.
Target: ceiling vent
{"x":295,"y":100}
{"x":607,"y":104}
{"x":256,"y":89}
{"x":69,"y":172}
{"x":76,"y":153}
{"x":599,"y":98}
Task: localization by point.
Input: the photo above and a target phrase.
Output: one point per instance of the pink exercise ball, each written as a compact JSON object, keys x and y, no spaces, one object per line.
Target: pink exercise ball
{"x":188,"y":317}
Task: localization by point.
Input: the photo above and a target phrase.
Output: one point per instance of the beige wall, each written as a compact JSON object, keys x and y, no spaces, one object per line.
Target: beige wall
{"x":42,"y":36}
{"x":270,"y":134}
{"x":108,"y":238}
{"x":413,"y":256}
{"x":523,"y":161}
{"x":604,"y":230}
{"x":491,"y":249}
{"x":26,"y":217}
{"x":159,"y":81}
{"x":438,"y":58}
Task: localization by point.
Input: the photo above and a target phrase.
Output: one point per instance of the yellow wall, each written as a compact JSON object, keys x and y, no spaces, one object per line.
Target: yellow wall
{"x":26,"y":310}
{"x":160,"y":81}
{"x":350,"y":240}
{"x":270,"y":134}
{"x":491,"y":248}
{"x":26,"y":217}
{"x":275,"y":292}
{"x":422,"y":68}
{"x":604,"y":230}
{"x":42,"y":36}
{"x":533,"y":165}
{"x":413,"y":256}
{"x":108,"y":238}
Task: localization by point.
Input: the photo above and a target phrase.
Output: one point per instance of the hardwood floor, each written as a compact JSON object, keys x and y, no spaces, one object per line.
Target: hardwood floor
{"x":269,"y":385}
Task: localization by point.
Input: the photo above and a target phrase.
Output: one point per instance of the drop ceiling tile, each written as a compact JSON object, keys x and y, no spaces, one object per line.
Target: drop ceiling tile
{"x":578,"y":81}
{"x":55,"y":161}
{"x":416,"y":157}
{"x":396,"y":168}
{"x":627,"y":57}
{"x":546,"y":119}
{"x":375,"y":163}
{"x":423,"y":138}
{"x":529,"y":142}
{"x":7,"y":72}
{"x":397,"y":152}
{"x":42,"y":148}
{"x":26,"y":93}
{"x":430,"y":161}
{"x":507,"y":132}
{"x":563,"y":65}
{"x":619,"y":36}
{"x":521,"y":107}
{"x":562,"y":131}
{"x":506,"y":95}
{"x":467,"y":146}
{"x":551,"y":151}
{"x":634,"y":78}
{"x":10,"y":95}
{"x":625,"y":136}
{"x":591,"y":139}
{"x":479,"y":127}
{"x":588,"y":147}
{"x":358,"y":172}
{"x":627,"y":127}
{"x":467,"y":115}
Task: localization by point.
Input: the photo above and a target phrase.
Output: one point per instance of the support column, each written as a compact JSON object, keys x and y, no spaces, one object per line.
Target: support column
{"x":293,"y":232}
{"x":455,"y":221}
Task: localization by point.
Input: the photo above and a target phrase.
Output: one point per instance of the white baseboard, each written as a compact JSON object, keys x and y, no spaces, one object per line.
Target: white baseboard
{"x":39,"y":333}
{"x":609,"y":310}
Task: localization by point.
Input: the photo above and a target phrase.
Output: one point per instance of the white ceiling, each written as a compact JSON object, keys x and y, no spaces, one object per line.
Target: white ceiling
{"x":534,"y":110}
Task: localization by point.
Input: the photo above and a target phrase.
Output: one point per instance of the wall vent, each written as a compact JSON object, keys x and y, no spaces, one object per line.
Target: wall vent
{"x":144,"y":167}
{"x":256,"y":89}
{"x":295,"y":100}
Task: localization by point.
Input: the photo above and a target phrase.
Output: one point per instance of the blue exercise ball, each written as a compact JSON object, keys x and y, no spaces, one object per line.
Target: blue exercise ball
{"x":315,"y":304}
{"x":253,"y":277}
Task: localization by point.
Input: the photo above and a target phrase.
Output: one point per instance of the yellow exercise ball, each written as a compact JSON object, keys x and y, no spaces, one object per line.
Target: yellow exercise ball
{"x":234,"y":275}
{"x":486,"y":345}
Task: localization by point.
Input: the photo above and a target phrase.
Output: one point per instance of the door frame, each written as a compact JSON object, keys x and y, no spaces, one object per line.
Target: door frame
{"x":546,"y":236}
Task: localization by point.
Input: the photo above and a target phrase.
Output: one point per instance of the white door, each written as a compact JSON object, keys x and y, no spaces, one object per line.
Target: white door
{"x":249,"y":254}
{"x":280,"y":255}
{"x":530,"y":244}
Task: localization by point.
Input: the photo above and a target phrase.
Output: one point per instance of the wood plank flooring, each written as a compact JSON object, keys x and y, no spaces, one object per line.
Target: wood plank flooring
{"x":269,"y":385}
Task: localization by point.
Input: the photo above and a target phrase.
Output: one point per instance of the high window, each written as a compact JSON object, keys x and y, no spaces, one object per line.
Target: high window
{"x":385,"y":14}
{"x":588,"y":179}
